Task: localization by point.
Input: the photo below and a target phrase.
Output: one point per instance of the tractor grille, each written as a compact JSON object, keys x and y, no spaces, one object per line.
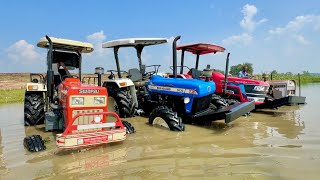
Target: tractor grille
{"x":85,"y":119}
{"x":200,"y":104}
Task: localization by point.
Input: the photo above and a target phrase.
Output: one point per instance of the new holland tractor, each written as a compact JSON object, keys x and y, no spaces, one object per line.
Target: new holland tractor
{"x":240,"y":89}
{"x":59,"y":99}
{"x":175,"y":101}
{"x":125,"y":85}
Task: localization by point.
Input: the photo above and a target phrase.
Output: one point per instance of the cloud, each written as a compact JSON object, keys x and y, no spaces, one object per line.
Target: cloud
{"x":297,"y":27}
{"x":301,"y":39}
{"x":248,"y":23}
{"x":297,"y":24}
{"x":23,"y":52}
{"x":242,"y":39}
{"x":97,"y":39}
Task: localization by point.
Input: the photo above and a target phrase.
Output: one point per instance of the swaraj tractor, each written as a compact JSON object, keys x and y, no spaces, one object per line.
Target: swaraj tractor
{"x":175,"y":101}
{"x":124,"y":86}
{"x":78,"y":110}
{"x":240,"y":89}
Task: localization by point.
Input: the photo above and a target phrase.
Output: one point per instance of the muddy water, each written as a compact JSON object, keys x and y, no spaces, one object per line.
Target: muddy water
{"x":282,"y":144}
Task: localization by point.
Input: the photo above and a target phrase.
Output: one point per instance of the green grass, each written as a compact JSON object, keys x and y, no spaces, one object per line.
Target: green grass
{"x":12,"y":96}
{"x":305,"y":78}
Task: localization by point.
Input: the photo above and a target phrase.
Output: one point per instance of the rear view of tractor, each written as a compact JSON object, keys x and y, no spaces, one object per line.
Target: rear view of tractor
{"x":59,"y":99}
{"x":175,"y":101}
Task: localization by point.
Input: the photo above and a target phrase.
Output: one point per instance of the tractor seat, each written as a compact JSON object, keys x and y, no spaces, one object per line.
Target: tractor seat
{"x":195,"y":73}
{"x":136,"y":76}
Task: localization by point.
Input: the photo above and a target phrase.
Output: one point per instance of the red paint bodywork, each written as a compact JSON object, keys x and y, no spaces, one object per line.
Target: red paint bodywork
{"x":217,"y":77}
{"x":71,"y":86}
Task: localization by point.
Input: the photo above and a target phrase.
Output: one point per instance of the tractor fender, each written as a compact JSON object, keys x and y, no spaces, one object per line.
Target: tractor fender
{"x":123,"y":82}
{"x":36,"y":87}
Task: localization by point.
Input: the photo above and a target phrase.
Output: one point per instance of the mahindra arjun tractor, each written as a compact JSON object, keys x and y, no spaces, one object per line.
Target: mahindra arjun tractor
{"x":175,"y":101}
{"x":238,"y":89}
{"x":123,"y":90}
{"x":78,"y":110}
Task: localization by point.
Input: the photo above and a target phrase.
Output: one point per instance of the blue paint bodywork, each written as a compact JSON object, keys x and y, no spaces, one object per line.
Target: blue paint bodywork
{"x":202,"y":88}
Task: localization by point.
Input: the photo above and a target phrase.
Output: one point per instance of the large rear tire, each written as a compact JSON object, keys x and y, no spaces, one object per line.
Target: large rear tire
{"x":33,"y":108}
{"x":171,"y":119}
{"x":123,"y":103}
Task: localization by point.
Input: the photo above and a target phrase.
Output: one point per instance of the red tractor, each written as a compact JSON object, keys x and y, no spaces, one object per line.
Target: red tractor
{"x":63,"y":103}
{"x":237,"y":89}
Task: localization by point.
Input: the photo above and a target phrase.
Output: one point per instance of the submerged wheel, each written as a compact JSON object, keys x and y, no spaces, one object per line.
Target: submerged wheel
{"x":33,"y":108}
{"x":232,"y":101}
{"x":218,"y":101}
{"x":121,"y":103}
{"x":34,"y":143}
{"x":129,"y":127}
{"x":165,"y":117}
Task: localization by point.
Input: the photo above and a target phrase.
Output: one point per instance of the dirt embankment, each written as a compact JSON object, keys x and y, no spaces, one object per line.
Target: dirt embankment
{"x":13,"y":80}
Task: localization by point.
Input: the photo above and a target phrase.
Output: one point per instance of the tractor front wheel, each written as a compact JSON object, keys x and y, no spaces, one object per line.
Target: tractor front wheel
{"x":165,"y":117}
{"x":129,"y":127}
{"x":218,"y":101}
{"x":33,"y":108}
{"x":121,"y":103}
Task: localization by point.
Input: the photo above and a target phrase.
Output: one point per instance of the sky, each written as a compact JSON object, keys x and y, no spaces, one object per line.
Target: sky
{"x":272,"y":35}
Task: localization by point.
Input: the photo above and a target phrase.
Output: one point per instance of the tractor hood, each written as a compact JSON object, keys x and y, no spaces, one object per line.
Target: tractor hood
{"x":181,"y":87}
{"x":217,"y":76}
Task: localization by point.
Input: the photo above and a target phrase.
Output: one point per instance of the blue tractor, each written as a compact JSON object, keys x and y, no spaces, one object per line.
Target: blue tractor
{"x":175,"y":101}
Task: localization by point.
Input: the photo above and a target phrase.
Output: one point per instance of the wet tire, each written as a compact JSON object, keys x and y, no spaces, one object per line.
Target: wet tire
{"x":171,"y":118}
{"x":232,"y":101}
{"x":33,"y":108}
{"x":125,"y":107}
{"x":218,"y":101}
{"x":34,"y":143}
{"x":129,"y":127}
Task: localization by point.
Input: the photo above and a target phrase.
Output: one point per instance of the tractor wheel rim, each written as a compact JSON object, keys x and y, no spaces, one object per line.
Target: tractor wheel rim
{"x":160,"y":122}
{"x":112,"y":105}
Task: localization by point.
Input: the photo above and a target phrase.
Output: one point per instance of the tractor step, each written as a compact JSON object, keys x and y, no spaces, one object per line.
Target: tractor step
{"x":281,"y":102}
{"x":90,"y":138}
{"x":229,"y":113}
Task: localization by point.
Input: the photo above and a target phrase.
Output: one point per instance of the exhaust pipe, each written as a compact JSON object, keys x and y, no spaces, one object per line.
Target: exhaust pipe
{"x":174,"y":53}
{"x":49,"y":71}
{"x":226,"y":75}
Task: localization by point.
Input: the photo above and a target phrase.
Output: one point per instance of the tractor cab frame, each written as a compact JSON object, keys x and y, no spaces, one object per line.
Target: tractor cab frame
{"x":123,"y":90}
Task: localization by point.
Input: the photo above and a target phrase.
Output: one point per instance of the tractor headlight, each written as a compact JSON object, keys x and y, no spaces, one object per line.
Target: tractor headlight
{"x":99,"y":100}
{"x":77,"y":101}
{"x":259,"y":88}
{"x":186,"y":100}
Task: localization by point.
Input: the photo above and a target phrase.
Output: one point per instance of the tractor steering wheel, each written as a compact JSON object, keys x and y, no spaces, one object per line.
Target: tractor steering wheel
{"x":69,"y":76}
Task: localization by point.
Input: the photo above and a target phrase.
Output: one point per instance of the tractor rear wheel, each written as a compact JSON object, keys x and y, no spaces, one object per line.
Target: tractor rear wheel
{"x":165,"y":117}
{"x":33,"y":108}
{"x":129,"y":127}
{"x":122,"y":103}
